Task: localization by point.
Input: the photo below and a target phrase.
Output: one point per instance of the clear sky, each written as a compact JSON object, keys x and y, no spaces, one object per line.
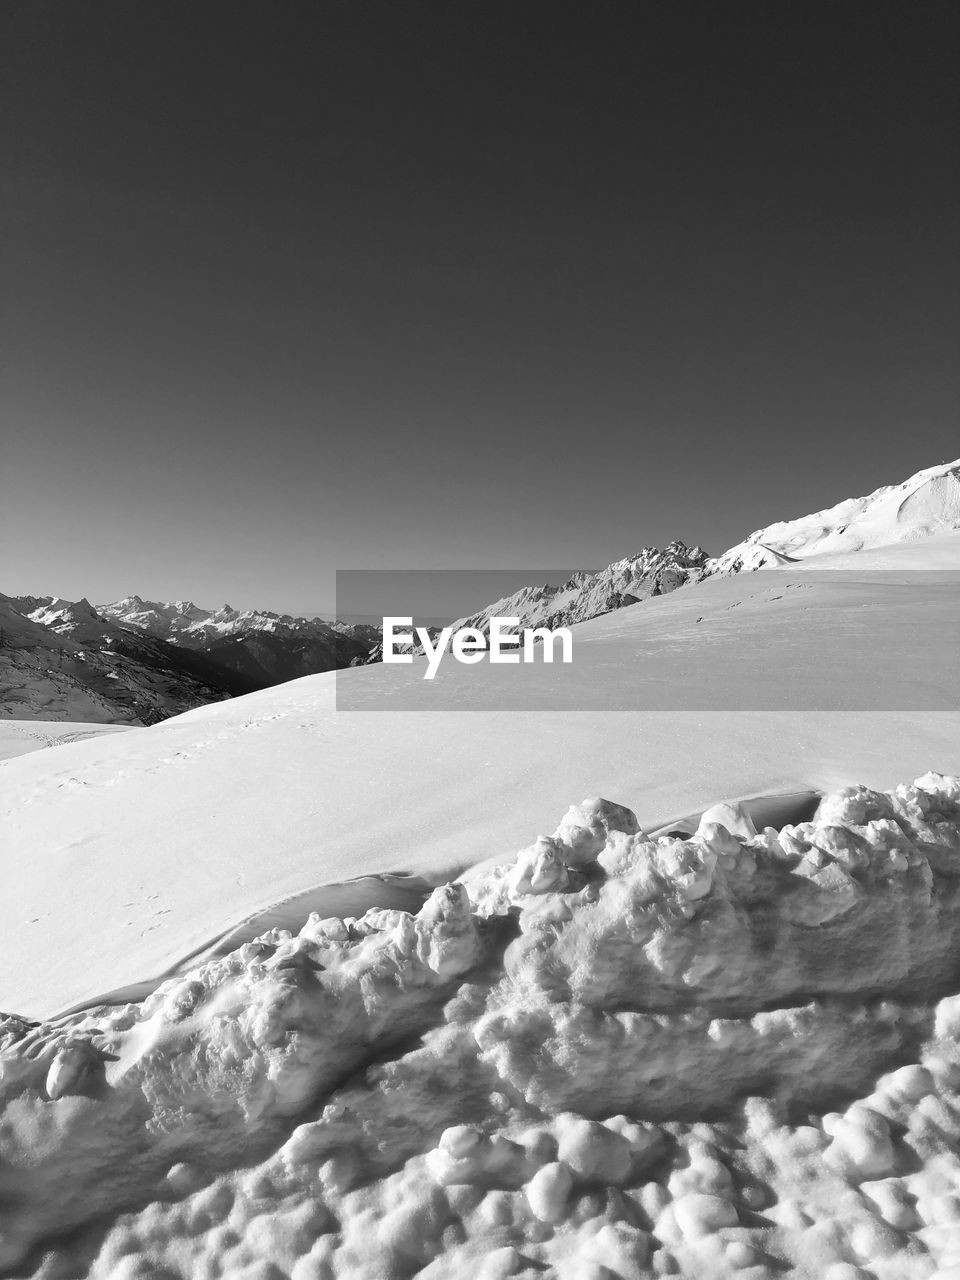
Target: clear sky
{"x":292,"y":287}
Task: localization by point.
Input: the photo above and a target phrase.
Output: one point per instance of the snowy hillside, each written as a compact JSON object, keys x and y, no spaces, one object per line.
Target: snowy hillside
{"x":926,"y":504}
{"x":19,"y":737}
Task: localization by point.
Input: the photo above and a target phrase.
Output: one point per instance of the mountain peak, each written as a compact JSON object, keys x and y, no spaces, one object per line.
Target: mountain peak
{"x":925,"y":504}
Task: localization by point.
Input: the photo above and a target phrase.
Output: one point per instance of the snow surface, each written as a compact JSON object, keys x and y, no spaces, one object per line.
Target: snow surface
{"x":735,"y":1054}
{"x":18,"y":737}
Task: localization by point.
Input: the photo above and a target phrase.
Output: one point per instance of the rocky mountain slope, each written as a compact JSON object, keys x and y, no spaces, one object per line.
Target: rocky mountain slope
{"x":264,"y":647}
{"x":925,"y":504}
{"x":651,"y":572}
{"x":65,"y":662}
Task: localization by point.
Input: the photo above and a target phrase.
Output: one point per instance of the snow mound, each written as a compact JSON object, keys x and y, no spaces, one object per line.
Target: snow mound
{"x":731,"y":1054}
{"x":926,"y":504}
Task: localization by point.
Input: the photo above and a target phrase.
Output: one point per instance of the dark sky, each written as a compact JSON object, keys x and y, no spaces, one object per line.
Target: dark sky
{"x":291,"y":287}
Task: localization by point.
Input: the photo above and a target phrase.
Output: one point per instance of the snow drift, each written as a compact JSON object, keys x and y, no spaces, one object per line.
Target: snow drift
{"x":720,"y":1055}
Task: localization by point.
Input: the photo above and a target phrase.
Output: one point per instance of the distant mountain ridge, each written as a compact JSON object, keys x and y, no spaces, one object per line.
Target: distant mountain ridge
{"x":585,"y":595}
{"x":138,"y":661}
{"x":188,"y":624}
{"x":263,"y":647}
{"x":59,"y":660}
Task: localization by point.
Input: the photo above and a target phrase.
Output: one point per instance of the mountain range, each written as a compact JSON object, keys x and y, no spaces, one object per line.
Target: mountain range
{"x":135,"y":661}
{"x":265,"y":648}
{"x":927,"y":503}
{"x":60,"y":660}
{"x":651,"y":572}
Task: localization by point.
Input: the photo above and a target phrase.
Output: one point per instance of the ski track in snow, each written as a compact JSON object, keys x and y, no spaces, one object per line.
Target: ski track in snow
{"x":18,"y":737}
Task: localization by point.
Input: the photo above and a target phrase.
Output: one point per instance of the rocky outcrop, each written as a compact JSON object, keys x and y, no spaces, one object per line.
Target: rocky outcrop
{"x":585,"y":595}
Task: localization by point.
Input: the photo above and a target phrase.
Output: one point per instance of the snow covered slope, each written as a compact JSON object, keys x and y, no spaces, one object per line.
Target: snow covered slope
{"x":729,"y":688}
{"x":18,"y":737}
{"x":926,"y":504}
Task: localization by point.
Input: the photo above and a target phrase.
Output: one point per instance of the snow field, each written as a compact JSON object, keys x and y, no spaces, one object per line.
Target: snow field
{"x":735,"y":1054}
{"x":19,"y":737}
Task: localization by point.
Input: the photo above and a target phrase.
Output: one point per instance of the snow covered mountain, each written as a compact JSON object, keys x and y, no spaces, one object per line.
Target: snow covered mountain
{"x":651,"y":572}
{"x":926,"y":504}
{"x":65,"y":662}
{"x":75,"y":618}
{"x":267,"y":648}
